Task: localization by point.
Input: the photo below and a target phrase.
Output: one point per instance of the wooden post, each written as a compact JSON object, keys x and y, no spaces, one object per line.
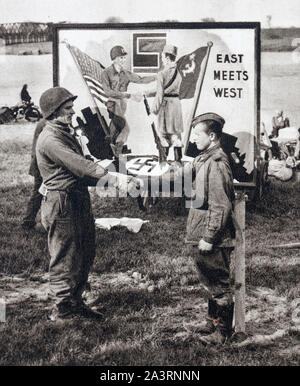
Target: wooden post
{"x":239,"y":309}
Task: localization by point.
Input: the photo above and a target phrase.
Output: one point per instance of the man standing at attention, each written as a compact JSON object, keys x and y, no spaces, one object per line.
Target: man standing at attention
{"x":210,"y":234}
{"x":115,"y":80}
{"x":167,"y":105}
{"x":210,"y":225}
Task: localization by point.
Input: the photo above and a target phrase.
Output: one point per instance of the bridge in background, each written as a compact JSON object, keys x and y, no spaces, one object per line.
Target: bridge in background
{"x":25,"y":32}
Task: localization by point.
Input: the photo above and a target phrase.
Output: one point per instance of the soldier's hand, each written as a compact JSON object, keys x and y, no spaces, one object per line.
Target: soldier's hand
{"x":137,"y":97}
{"x":204,"y":246}
{"x":125,"y":184}
{"x":134,"y":186}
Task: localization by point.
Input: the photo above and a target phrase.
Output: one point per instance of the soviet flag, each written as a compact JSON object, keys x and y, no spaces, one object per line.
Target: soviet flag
{"x":189,"y":67}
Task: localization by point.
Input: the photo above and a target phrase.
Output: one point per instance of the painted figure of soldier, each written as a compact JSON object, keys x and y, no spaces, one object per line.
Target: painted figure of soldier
{"x":35,"y":199}
{"x":167,"y":105}
{"x":115,"y":80}
{"x":66,"y":209}
{"x":210,"y":234}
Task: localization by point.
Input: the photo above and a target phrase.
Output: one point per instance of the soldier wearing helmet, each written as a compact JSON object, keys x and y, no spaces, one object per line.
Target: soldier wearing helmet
{"x":115,"y":80}
{"x":167,"y":105}
{"x":66,"y":209}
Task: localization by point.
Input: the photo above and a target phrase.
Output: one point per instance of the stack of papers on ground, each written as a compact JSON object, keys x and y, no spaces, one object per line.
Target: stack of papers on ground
{"x":132,"y":224}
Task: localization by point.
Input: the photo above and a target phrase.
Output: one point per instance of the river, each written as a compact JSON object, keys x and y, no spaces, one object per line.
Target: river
{"x":280,"y":82}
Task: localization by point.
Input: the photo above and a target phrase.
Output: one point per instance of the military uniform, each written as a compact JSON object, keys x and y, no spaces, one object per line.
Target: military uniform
{"x":35,"y":199}
{"x":66,"y":211}
{"x":115,"y":86}
{"x":167,"y":106}
{"x":210,"y":219}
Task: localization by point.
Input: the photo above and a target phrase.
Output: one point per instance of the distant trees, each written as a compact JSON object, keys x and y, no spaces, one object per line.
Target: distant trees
{"x":113,"y":19}
{"x":208,"y":20}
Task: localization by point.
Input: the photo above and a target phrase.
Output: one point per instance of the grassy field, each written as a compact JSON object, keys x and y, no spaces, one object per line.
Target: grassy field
{"x":144,"y":283}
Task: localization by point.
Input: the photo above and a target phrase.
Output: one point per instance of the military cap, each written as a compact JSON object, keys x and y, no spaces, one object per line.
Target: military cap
{"x":208,"y":117}
{"x":117,"y":51}
{"x":169,"y":49}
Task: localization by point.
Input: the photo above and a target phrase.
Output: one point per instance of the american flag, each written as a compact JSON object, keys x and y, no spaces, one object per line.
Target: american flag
{"x":91,"y":71}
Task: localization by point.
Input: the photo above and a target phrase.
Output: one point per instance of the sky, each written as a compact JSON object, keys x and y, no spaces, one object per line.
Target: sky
{"x":285,"y":13}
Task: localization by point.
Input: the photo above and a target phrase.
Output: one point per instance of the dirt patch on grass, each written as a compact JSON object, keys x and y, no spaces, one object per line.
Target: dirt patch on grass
{"x":268,"y":315}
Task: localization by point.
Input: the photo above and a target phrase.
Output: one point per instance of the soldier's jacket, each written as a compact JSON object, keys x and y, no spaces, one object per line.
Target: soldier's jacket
{"x":33,"y":169}
{"x":115,"y":86}
{"x":212,"y":196}
{"x":61,"y":162}
{"x":166,"y":103}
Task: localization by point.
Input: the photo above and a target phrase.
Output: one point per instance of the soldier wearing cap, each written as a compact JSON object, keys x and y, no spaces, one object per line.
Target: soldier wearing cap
{"x":66,"y":209}
{"x":210,"y":225}
{"x":166,"y":104}
{"x":210,"y":232}
{"x":115,"y":80}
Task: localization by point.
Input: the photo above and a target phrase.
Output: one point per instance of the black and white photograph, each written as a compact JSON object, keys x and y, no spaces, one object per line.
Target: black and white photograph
{"x":149,"y":176}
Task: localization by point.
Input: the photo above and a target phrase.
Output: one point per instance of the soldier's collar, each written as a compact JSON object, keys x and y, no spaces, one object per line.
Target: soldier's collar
{"x":116,"y":71}
{"x":61,"y":126}
{"x":208,"y":152}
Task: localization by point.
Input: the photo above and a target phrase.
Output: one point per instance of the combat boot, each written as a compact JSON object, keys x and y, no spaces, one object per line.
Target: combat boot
{"x":62,"y":313}
{"x":208,"y":327}
{"x":82,"y":309}
{"x":223,"y":326}
{"x":217,"y":337}
{"x":177,"y":153}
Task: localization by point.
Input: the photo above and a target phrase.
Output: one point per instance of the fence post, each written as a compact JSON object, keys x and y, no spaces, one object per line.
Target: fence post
{"x":239,"y":309}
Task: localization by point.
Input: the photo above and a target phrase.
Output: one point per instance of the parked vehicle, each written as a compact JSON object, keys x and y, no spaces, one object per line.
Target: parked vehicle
{"x":26,"y":110}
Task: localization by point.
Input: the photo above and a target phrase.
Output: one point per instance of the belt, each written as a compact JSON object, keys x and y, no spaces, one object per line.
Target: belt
{"x":171,"y":95}
{"x":43,"y":190}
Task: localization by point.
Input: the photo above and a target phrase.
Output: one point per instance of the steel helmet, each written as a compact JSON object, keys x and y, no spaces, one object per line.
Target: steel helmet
{"x":53,"y":98}
{"x":170,"y":49}
{"x":117,"y":51}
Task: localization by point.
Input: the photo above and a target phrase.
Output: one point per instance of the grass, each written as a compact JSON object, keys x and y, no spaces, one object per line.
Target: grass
{"x":142,"y":327}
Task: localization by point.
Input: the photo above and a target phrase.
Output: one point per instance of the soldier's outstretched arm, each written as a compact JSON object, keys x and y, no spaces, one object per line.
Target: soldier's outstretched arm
{"x":135,"y":78}
{"x":109,"y":91}
{"x":64,"y":156}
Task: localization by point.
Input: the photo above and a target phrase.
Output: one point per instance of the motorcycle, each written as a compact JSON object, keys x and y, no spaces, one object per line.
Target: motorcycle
{"x":26,"y":110}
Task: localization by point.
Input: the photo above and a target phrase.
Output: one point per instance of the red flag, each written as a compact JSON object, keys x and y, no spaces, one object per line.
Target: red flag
{"x":189,"y":67}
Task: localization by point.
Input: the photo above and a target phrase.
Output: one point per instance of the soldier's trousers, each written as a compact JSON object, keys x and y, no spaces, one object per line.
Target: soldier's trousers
{"x":34,"y":203}
{"x":214,"y":274}
{"x":119,"y":129}
{"x":69,"y":221}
